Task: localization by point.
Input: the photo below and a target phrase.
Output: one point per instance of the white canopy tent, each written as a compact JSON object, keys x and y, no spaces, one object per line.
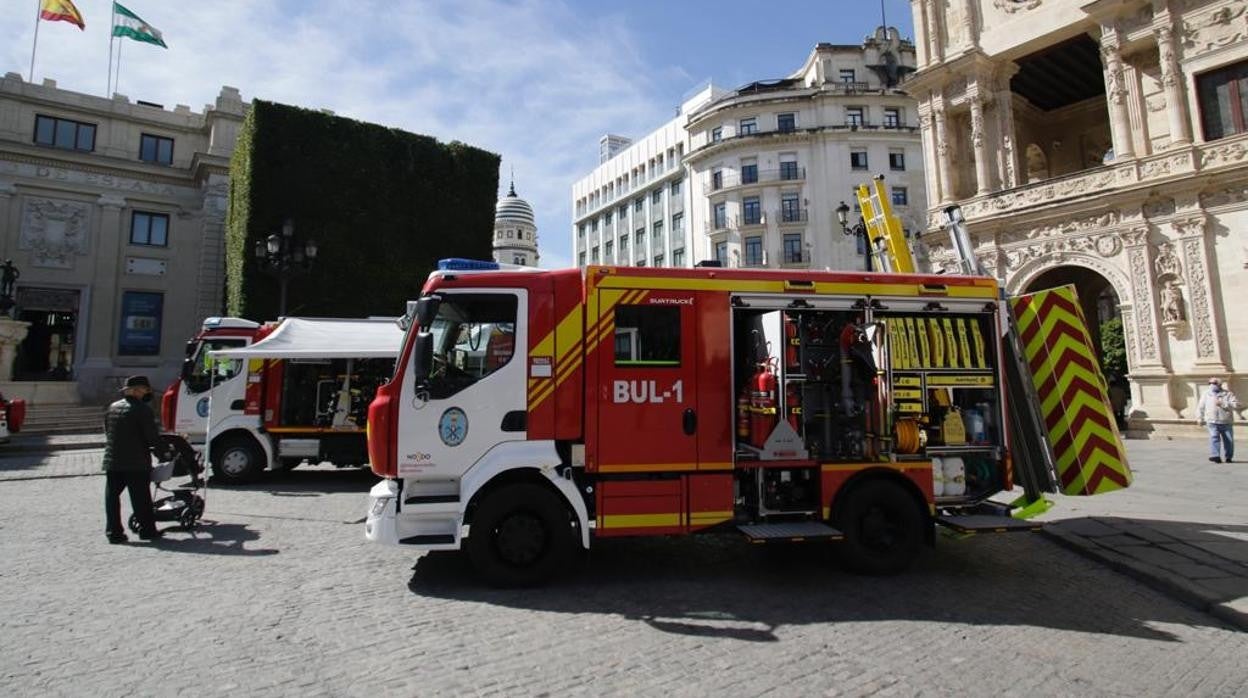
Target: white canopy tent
{"x":324,"y":338}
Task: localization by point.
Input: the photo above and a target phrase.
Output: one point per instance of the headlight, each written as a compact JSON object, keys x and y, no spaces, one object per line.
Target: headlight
{"x":379,"y":505}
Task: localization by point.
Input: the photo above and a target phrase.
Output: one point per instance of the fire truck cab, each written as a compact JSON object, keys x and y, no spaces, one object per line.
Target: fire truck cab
{"x":533,"y":411}
{"x":184,"y":405}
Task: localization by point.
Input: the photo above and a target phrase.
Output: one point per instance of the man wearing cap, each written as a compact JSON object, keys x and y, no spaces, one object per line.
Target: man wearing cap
{"x":130,"y":430}
{"x":1216,"y":410}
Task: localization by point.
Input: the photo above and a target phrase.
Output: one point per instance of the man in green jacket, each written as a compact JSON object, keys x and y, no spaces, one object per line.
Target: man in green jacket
{"x":130,"y":430}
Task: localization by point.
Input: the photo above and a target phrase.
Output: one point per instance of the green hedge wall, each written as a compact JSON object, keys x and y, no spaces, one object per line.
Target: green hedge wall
{"x":383,"y":206}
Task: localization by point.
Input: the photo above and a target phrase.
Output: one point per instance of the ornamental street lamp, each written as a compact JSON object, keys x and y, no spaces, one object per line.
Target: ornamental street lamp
{"x":858,"y":230}
{"x":282,"y":256}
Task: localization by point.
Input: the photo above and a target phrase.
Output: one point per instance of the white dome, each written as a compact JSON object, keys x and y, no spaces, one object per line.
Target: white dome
{"x":513,"y":209}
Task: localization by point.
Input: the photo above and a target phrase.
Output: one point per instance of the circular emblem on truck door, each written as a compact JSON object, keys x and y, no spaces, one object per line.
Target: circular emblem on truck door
{"x":201,"y":407}
{"x":453,"y":427}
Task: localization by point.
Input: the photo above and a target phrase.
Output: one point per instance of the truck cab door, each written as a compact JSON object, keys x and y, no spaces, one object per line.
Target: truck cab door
{"x":647,"y":417}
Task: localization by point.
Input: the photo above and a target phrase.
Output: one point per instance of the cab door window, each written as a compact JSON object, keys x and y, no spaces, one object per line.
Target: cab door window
{"x":647,"y":335}
{"x":205,"y":370}
{"x":473,"y":336}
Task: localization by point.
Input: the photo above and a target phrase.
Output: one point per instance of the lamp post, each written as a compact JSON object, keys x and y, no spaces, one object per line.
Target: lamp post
{"x":858,"y":230}
{"x":282,"y":256}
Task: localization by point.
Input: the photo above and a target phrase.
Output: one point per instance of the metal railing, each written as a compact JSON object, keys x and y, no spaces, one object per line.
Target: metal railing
{"x":728,"y":180}
{"x":791,"y":215}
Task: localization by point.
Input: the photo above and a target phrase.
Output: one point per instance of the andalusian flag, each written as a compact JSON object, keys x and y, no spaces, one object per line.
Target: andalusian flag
{"x":61,"y":11}
{"x":126,"y":23}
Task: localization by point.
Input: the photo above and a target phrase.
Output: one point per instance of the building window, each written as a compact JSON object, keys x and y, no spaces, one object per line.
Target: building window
{"x":678,"y":258}
{"x":593,"y":255}
{"x":64,"y":133}
{"x":676,"y":187}
{"x":623,"y":211}
{"x":1223,"y":98}
{"x":657,"y":232}
{"x":647,"y":336}
{"x":519,"y":259}
{"x":593,"y":226}
{"x":624,"y":249}
{"x":793,"y":248}
{"x":854,"y":116}
{"x":751,"y":210}
{"x":754,"y":251}
{"x":639,"y":238}
{"x":717,"y":134}
{"x":749,"y":173}
{"x":897,"y":160}
{"x":900,"y":196}
{"x":858,"y":159}
{"x":639,"y":203}
{"x":892,"y":117}
{"x":658,"y":260}
{"x":141,"y":314}
{"x":580,"y":231}
{"x":156,"y":149}
{"x":641,"y":262}
{"x":606,"y":218}
{"x":747,"y":126}
{"x":149,"y":229}
{"x":580,"y":259}
{"x":721,"y":253}
{"x":609,"y":248}
{"x":789,"y":170}
{"x":786,"y":123}
{"x":717,"y":180}
{"x":656,"y":197}
{"x":678,"y":223}
{"x":720,"y":216}
{"x":790,"y":208}
{"x":847,"y":75}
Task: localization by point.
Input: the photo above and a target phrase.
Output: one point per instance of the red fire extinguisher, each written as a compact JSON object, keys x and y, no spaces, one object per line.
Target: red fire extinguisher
{"x":790,"y":345}
{"x":793,"y":403}
{"x":764,"y":412}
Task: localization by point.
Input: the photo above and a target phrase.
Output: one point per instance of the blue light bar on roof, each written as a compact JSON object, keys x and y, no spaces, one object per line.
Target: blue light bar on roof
{"x":458,"y":264}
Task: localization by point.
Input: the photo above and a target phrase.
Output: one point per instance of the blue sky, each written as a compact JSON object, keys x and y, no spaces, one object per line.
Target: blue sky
{"x":537,"y":81}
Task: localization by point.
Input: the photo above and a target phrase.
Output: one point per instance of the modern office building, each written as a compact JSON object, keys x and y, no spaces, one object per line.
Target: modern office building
{"x":1102,"y":143}
{"x":753,"y":177}
{"x":515,"y":231}
{"x":113,"y":212}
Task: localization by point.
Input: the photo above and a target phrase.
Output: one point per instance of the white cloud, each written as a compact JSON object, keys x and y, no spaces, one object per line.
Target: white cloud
{"x":528,"y":79}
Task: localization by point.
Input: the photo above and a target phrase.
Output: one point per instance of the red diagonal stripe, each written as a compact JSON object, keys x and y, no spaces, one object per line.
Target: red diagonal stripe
{"x":1054,"y":299}
{"x":1077,"y":386}
{"x":1087,"y":414}
{"x":1104,"y":472}
{"x":1097,"y":442}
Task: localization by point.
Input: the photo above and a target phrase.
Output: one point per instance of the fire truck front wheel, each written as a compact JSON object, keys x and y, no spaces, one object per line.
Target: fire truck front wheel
{"x":521,"y":535}
{"x":236,"y":459}
{"x":883,"y":528}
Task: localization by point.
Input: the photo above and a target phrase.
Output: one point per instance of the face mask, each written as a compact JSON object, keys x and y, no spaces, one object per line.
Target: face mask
{"x":146,"y":397}
{"x":1215,"y":387}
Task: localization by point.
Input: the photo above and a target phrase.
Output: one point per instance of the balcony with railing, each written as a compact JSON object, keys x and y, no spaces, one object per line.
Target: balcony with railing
{"x":791,"y":215}
{"x":732,"y":180}
{"x":721,"y":225}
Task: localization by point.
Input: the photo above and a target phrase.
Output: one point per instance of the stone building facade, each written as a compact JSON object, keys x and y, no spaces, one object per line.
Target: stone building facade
{"x":1102,"y":143}
{"x":113,"y":211}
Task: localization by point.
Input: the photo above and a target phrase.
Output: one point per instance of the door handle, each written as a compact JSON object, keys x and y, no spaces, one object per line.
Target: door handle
{"x":690,"y":421}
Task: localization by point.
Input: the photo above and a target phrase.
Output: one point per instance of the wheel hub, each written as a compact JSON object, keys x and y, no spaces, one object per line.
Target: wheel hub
{"x":520,"y":539}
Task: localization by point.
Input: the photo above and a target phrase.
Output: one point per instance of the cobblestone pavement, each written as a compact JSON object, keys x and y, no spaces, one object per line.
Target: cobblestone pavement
{"x":280,"y":595}
{"x":23,"y":465}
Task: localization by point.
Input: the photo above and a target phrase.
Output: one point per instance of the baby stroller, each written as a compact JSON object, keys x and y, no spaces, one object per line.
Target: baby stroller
{"x":184,"y":503}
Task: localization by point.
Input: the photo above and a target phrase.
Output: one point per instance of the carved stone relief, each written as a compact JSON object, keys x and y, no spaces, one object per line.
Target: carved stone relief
{"x":1222,"y":197}
{"x":1075,"y":225}
{"x":1193,"y":251}
{"x":1222,"y":27}
{"x":1155,"y":208}
{"x":1217,"y":155}
{"x":1167,"y":262}
{"x":1012,"y":6}
{"x":1142,"y":294}
{"x":54,"y":232}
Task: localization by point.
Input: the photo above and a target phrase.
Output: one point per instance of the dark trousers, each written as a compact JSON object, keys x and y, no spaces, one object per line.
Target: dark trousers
{"x":139,"y":482}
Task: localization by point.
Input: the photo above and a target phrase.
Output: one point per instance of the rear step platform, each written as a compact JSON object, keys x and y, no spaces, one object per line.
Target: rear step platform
{"x":985,"y":523}
{"x":790,"y":531}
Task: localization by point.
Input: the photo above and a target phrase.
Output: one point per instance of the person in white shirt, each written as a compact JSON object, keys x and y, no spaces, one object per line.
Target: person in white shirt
{"x":1216,"y":411}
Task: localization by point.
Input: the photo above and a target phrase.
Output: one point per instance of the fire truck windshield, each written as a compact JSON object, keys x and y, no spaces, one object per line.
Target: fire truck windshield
{"x":473,"y":336}
{"x":199,"y":373}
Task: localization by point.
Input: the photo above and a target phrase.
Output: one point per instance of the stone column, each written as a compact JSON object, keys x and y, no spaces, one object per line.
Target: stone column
{"x":1140,"y":267}
{"x":7,"y":194}
{"x":1116,"y":90}
{"x":1172,"y":80}
{"x":918,"y":10}
{"x":935,"y":25}
{"x":1207,"y":325}
{"x":12,"y":332}
{"x":927,"y":138}
{"x":1010,"y":167}
{"x":969,"y":35}
{"x":942,"y":153}
{"x":983,"y":173}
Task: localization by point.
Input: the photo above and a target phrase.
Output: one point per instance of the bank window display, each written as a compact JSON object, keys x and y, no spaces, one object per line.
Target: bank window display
{"x":156,"y":149}
{"x":149,"y":229}
{"x":64,"y":133}
{"x":141,"y":315}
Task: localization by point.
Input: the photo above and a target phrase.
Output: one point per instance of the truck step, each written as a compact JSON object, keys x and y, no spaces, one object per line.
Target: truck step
{"x":790,"y":531}
{"x":984,"y":523}
{"x":430,"y":539}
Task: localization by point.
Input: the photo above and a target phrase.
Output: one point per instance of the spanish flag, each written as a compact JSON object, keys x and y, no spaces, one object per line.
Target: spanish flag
{"x":61,"y":11}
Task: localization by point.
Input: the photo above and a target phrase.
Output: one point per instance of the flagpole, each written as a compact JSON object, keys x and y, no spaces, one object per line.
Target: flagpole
{"x":108,"y":91}
{"x":117,"y":80}
{"x":35,"y":44}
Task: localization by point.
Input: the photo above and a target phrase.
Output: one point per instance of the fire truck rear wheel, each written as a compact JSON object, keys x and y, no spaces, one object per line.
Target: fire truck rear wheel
{"x":521,"y":535}
{"x":883,"y":529}
{"x":236,"y":459}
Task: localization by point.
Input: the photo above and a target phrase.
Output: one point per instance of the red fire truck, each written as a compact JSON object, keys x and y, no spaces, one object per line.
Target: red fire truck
{"x":268,"y":397}
{"x":534,"y":411}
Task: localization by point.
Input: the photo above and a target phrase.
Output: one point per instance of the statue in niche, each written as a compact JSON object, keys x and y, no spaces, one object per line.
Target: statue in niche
{"x":1167,"y":264}
{"x":1172,"y":303}
{"x":8,"y":280}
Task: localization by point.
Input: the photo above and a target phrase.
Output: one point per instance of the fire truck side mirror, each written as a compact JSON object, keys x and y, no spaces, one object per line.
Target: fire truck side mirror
{"x":426,"y":310}
{"x":188,"y":367}
{"x":422,"y":359}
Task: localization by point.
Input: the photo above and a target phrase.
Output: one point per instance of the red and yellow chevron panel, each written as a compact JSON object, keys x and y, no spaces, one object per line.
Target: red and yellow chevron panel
{"x":1064,"y":370}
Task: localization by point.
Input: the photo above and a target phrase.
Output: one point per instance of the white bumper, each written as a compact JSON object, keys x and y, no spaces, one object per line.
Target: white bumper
{"x":421,"y":527}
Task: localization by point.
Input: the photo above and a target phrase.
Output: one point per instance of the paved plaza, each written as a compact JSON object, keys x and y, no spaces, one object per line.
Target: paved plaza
{"x":279,"y":594}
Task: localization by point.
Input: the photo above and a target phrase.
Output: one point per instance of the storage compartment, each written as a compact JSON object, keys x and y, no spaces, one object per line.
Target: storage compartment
{"x":331,"y":393}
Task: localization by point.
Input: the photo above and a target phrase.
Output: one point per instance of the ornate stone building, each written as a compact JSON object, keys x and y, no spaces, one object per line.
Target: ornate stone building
{"x":113,"y":211}
{"x":1101,"y":143}
{"x":515,"y":230}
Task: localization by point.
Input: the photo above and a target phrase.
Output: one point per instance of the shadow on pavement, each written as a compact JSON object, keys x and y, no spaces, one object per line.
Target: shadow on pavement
{"x":721,"y":586}
{"x":211,"y":538}
{"x":309,"y":482}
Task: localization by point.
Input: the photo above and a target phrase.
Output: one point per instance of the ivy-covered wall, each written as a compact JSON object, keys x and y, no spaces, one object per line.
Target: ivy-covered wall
{"x":383,"y":206}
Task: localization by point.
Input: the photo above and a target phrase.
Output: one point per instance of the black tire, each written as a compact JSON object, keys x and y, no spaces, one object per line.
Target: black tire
{"x":883,"y":527}
{"x":236,"y":459}
{"x":521,"y":535}
{"x":188,"y":518}
{"x":134,"y":523}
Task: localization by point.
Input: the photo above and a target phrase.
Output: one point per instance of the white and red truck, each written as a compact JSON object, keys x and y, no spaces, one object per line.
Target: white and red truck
{"x":269,"y":396}
{"x":532,"y":412}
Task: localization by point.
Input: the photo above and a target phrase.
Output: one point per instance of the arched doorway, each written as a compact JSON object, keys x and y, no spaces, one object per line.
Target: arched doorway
{"x":1100,"y":304}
